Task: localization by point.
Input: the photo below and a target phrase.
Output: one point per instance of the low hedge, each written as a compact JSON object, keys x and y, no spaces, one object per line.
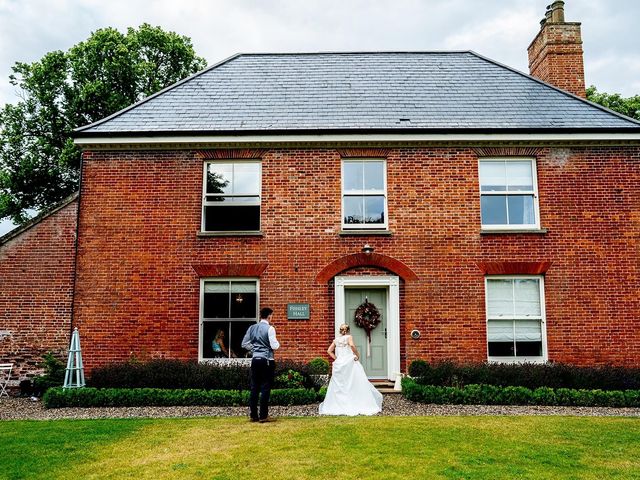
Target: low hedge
{"x":496,"y":395}
{"x":146,"y":397}
{"x":180,"y":374}
{"x":529,"y":375}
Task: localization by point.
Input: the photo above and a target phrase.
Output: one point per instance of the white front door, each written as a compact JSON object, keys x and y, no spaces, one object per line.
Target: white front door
{"x":384,"y":292}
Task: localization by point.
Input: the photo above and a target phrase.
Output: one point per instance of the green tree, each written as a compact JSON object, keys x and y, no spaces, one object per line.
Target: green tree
{"x":627,"y":106}
{"x":39,"y":164}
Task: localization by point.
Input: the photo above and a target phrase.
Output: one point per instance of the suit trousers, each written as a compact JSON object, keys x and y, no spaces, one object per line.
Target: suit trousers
{"x":262,"y":371}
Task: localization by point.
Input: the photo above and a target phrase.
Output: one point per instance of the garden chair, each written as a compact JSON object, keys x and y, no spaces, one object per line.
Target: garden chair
{"x":5,"y":374}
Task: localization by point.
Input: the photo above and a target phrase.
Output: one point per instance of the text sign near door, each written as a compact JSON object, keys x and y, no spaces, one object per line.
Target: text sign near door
{"x":297,"y":311}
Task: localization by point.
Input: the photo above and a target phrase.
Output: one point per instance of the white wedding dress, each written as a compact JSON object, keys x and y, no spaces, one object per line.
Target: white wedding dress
{"x":349,"y":391}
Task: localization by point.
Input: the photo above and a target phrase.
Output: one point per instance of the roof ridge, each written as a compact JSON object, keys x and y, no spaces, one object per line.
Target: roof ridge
{"x":568,"y":94}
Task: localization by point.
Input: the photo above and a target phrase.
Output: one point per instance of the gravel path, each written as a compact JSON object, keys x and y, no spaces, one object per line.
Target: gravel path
{"x":24,"y":408}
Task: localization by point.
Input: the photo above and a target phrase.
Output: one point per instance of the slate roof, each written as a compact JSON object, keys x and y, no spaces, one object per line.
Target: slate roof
{"x":382,"y":91}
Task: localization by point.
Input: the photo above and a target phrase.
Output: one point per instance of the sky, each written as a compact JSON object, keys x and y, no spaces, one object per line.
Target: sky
{"x":498,"y":29}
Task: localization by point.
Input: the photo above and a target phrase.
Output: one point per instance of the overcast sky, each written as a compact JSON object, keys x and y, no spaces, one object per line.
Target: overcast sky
{"x":498,"y":29}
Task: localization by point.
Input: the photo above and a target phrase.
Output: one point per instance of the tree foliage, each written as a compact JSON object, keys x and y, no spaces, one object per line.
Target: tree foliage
{"x":39,"y":164}
{"x":614,"y":101}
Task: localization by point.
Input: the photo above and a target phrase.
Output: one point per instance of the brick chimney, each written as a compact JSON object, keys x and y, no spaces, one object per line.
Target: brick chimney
{"x":555,"y":55}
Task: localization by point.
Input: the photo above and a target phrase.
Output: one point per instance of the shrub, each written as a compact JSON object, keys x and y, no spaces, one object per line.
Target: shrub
{"x":418,"y":368}
{"x":171,"y":374}
{"x":53,"y":376}
{"x":318,"y":366}
{"x":497,"y":395}
{"x":529,"y":375}
{"x":289,"y":379}
{"x":138,"y":397}
{"x":179,"y":374}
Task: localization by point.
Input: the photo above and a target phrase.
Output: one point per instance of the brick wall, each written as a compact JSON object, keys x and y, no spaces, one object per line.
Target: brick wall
{"x":138,"y":293}
{"x":555,"y":56}
{"x":36,"y":282}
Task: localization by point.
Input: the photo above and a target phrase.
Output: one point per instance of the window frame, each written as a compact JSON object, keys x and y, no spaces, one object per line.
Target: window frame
{"x":371,"y":193}
{"x":202,"y":319}
{"x":206,"y":203}
{"x":543,"y":323}
{"x":534,"y":192}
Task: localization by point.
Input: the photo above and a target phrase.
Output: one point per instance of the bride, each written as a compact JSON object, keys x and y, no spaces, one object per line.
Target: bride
{"x":349,"y":392}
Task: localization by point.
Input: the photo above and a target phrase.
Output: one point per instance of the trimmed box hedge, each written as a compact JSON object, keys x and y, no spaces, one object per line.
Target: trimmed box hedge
{"x":530,"y":375}
{"x":496,"y":395}
{"x":145,"y":397}
{"x":180,"y":374}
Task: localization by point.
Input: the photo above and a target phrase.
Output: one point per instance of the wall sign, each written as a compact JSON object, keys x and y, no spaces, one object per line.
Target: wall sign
{"x":297,"y":311}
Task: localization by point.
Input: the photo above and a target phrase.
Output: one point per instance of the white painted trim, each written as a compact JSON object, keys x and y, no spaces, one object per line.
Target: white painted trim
{"x":389,"y":137}
{"x":208,"y":204}
{"x":363,"y":226}
{"x":543,"y":323}
{"x":536,"y":203}
{"x":392,"y":283}
{"x":201,"y":309}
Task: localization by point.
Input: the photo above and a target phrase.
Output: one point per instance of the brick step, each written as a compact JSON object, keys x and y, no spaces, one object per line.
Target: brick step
{"x":384,"y":386}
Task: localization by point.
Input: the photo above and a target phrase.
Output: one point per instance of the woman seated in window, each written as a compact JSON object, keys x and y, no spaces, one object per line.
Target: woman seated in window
{"x":219,"y":348}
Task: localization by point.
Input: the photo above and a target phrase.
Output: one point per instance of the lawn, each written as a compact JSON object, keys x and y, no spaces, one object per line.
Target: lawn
{"x":323,"y":448}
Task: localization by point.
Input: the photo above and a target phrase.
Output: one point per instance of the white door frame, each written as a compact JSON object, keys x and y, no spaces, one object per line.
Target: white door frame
{"x":392,"y":314}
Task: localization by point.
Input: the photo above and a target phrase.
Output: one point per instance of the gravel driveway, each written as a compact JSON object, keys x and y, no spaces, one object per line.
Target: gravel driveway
{"x":24,"y":408}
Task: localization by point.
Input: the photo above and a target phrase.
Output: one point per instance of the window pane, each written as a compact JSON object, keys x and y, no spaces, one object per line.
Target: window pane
{"x":215,"y":336}
{"x":246,"y":178}
{"x":352,"y":176}
{"x":353,"y":207}
{"x":493,"y":176}
{"x":243,"y":304}
{"x":494,"y":209}
{"x":248,"y":199}
{"x":527,"y":297}
{"x":500,"y":330}
{"x":529,"y":349}
{"x":219,"y":177}
{"x":238,"y":329}
{"x":519,"y":176}
{"x":374,"y":176}
{"x":243,"y":287}
{"x":374,"y":209}
{"x":216,"y":304}
{"x":501,"y":349}
{"x":232,"y":218}
{"x":521,"y":210}
{"x":528,"y":330}
{"x":499,"y":298}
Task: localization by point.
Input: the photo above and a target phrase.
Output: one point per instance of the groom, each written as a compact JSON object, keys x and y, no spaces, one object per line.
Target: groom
{"x":261,"y":340}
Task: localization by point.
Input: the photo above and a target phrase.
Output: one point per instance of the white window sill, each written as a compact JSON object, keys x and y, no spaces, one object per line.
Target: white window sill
{"x":504,"y":231}
{"x":249,"y":233}
{"x":363,"y":232}
{"x":516,"y":360}
{"x":226,"y":361}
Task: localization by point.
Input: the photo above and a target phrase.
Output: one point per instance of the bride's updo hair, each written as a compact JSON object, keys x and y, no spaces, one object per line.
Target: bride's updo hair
{"x":344,"y":329}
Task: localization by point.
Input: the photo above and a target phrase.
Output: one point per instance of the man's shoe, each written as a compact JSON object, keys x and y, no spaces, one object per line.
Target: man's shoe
{"x":252,"y":419}
{"x":267,"y":420}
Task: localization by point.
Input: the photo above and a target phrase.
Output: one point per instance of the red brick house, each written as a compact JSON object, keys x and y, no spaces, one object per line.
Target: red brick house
{"x":487,"y":214}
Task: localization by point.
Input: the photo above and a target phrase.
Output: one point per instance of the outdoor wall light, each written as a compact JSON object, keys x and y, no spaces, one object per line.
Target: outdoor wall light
{"x":415,"y":334}
{"x":367,"y":248}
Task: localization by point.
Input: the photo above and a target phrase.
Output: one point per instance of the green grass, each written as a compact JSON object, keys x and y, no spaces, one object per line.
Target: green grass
{"x":324,"y":448}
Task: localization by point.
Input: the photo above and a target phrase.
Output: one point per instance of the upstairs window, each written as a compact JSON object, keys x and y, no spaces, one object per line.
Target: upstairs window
{"x":232,"y":196}
{"x":515,"y":319}
{"x":508,"y":194}
{"x":364,"y":194}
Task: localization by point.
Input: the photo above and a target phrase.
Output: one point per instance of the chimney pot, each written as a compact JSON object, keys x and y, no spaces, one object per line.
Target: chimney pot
{"x":557,"y":11}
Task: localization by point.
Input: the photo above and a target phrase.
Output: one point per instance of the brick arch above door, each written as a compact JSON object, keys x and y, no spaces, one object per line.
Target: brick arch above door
{"x":347,"y":262}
